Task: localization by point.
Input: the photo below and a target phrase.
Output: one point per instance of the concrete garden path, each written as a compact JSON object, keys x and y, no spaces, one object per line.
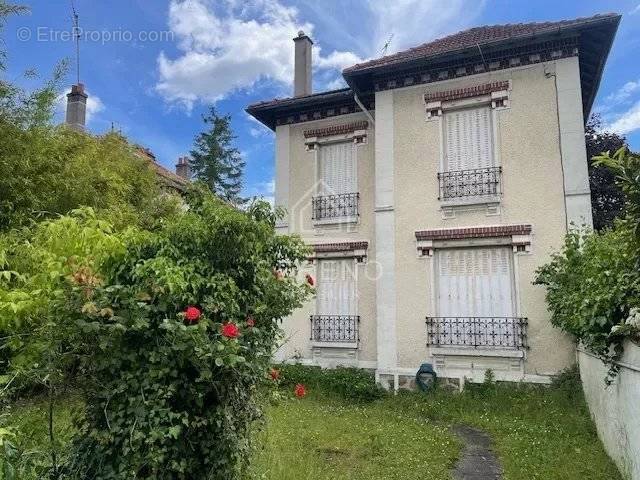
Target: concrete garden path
{"x":478,"y":462}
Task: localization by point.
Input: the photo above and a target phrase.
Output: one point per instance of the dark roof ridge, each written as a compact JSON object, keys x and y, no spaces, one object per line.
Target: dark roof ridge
{"x":301,"y":97}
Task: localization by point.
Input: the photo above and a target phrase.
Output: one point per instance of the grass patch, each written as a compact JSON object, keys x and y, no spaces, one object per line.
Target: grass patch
{"x":538,"y":433}
{"x":28,"y":419}
{"x":319,"y":438}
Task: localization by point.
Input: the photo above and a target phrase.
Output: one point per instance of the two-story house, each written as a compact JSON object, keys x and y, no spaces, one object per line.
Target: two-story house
{"x":431,"y":190}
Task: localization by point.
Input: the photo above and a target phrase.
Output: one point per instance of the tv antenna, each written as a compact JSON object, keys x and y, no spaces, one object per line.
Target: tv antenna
{"x":76,"y":36}
{"x":386,"y":45}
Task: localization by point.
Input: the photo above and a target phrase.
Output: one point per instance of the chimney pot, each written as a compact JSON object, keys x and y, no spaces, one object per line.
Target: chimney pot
{"x":183,"y":168}
{"x":302,"y":81}
{"x":76,"y":107}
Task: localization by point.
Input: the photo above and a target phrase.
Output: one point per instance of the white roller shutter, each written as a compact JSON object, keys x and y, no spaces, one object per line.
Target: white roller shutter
{"x":337,"y":169}
{"x":475,"y":282}
{"x":468,"y":139}
{"x":336,"y":290}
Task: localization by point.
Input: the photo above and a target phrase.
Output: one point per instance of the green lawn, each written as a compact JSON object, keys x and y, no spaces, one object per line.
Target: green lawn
{"x":319,"y":438}
{"x":539,"y":433}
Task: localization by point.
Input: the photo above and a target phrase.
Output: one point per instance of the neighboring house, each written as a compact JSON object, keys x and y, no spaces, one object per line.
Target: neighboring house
{"x":171,"y":182}
{"x":431,"y":190}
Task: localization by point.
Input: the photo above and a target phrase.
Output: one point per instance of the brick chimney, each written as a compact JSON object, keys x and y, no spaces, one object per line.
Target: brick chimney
{"x":76,"y":107}
{"x":302,"y":65}
{"x":183,"y":169}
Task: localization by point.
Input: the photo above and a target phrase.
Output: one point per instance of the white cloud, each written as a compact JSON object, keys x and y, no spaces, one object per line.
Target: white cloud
{"x":627,"y":122}
{"x":232,"y":48}
{"x":335,"y":60}
{"x":94,"y":105}
{"x":263,"y":190}
{"x":258,"y":129}
{"x":228,"y":46}
{"x":635,"y":10}
{"x":623,"y":93}
{"x":336,"y":83}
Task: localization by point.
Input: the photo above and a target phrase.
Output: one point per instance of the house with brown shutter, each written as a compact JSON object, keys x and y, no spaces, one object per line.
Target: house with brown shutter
{"x":431,"y":189}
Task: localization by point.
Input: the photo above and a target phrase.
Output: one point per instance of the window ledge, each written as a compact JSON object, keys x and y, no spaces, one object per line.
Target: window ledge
{"x":336,"y":220}
{"x":346,"y":345}
{"x":464,"y":201}
{"x":476,"y":352}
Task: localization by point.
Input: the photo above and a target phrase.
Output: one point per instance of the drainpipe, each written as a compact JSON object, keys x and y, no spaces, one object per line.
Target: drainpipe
{"x":366,"y":112}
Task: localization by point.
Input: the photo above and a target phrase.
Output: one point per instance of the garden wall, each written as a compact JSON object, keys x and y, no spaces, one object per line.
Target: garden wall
{"x":616,"y":409}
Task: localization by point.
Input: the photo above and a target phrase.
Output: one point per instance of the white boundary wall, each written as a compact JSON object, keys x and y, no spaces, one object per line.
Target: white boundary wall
{"x":616,"y":409}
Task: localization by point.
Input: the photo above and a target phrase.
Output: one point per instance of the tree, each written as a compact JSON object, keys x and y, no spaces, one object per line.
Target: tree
{"x":607,"y":199}
{"x":214,"y":159}
{"x":48,"y":170}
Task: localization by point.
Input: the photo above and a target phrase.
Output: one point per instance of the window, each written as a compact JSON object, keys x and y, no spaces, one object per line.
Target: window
{"x":336,"y":290}
{"x":475,"y":300}
{"x":337,"y":189}
{"x":475,"y":282}
{"x":469,"y":163}
{"x":336,"y":303}
{"x":468,"y":139}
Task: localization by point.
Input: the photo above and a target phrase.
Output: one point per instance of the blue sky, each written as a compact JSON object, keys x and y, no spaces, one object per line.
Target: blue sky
{"x":152,"y":67}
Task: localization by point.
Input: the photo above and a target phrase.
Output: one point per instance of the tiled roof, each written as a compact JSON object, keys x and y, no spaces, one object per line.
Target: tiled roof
{"x":169,"y":177}
{"x":166,"y":176}
{"x":472,"y":38}
{"x":307,"y":107}
{"x":304,"y":99}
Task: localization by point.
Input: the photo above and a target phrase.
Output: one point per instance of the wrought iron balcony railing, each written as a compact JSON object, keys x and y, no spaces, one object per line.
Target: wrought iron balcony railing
{"x":478,"y":182}
{"x":498,"y":332}
{"x":335,"y":328}
{"x":335,"y":206}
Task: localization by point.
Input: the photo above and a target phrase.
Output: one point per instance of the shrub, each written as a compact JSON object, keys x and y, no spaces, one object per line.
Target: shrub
{"x":349,"y":383}
{"x":591,"y":287}
{"x":626,"y":167}
{"x":593,"y":283}
{"x":568,"y":382}
{"x":171,"y":394}
{"x":35,"y":267}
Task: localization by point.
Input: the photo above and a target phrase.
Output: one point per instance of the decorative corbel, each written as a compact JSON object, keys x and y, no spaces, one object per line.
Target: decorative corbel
{"x":434,"y":110}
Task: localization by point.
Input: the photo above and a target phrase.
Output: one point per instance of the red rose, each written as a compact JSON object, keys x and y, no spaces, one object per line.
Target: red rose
{"x":230,"y":330}
{"x":250,"y":321}
{"x":274,"y":374}
{"x":192,"y":314}
{"x":300,"y":390}
{"x":310,"y":280}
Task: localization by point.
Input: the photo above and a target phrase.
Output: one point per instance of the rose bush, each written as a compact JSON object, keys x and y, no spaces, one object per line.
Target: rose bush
{"x":300,"y":390}
{"x":170,"y":388}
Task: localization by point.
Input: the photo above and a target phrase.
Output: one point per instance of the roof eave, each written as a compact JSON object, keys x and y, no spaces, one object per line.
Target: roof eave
{"x":266,"y":112}
{"x":354,"y":78}
{"x":615,"y":22}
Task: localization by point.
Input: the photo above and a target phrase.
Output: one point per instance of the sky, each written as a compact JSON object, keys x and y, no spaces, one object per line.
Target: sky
{"x":153,"y":67}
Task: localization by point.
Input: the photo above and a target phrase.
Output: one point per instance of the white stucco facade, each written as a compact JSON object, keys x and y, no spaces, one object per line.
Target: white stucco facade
{"x":538,"y":138}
